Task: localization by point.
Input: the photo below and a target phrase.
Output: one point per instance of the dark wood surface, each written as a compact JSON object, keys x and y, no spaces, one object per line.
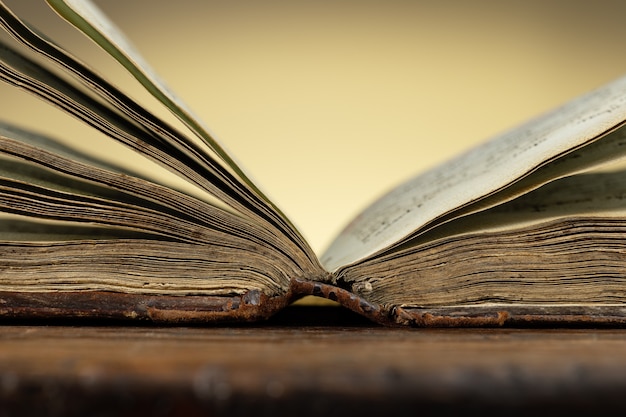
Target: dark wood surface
{"x":319,"y":362}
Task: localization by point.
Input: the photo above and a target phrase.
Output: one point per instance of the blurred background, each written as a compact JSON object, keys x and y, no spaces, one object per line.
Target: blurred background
{"x":328,"y":104}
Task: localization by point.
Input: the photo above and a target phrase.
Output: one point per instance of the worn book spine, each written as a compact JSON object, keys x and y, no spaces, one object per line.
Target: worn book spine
{"x":254,"y":306}
{"x":163,"y":309}
{"x":250,"y":306}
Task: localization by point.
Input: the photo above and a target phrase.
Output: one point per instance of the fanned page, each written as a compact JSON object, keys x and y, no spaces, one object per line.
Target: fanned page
{"x":478,"y":174}
{"x":236,"y":188}
{"x":86,"y":17}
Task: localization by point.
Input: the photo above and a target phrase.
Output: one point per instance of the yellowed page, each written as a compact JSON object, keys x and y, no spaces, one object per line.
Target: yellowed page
{"x":480,"y":172}
{"x":88,"y":18}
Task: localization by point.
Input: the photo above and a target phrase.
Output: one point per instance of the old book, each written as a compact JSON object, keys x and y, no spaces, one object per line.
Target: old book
{"x":528,"y":227}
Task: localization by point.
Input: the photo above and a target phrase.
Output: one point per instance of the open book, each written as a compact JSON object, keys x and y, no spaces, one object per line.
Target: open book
{"x":527,"y":227}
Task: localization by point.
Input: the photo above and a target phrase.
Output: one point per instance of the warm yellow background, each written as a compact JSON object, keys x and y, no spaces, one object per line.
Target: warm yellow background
{"x":329,"y":103}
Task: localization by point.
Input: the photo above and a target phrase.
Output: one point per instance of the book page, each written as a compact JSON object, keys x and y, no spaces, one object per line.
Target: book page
{"x":479,"y":172}
{"x":549,"y":246}
{"x":86,"y":17}
{"x":597,"y":194}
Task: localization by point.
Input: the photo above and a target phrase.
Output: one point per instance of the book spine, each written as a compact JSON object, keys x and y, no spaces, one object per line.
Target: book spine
{"x":106,"y":306}
{"x":375,"y":312}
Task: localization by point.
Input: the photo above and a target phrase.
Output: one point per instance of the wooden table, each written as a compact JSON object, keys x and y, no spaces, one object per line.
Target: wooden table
{"x":318,"y":363}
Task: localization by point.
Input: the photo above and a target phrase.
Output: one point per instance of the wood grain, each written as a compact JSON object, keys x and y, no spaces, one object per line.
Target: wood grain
{"x":341,"y":367}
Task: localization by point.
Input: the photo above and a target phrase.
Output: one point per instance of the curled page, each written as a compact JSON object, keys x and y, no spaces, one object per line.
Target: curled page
{"x":86,"y":17}
{"x":478,"y":173}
